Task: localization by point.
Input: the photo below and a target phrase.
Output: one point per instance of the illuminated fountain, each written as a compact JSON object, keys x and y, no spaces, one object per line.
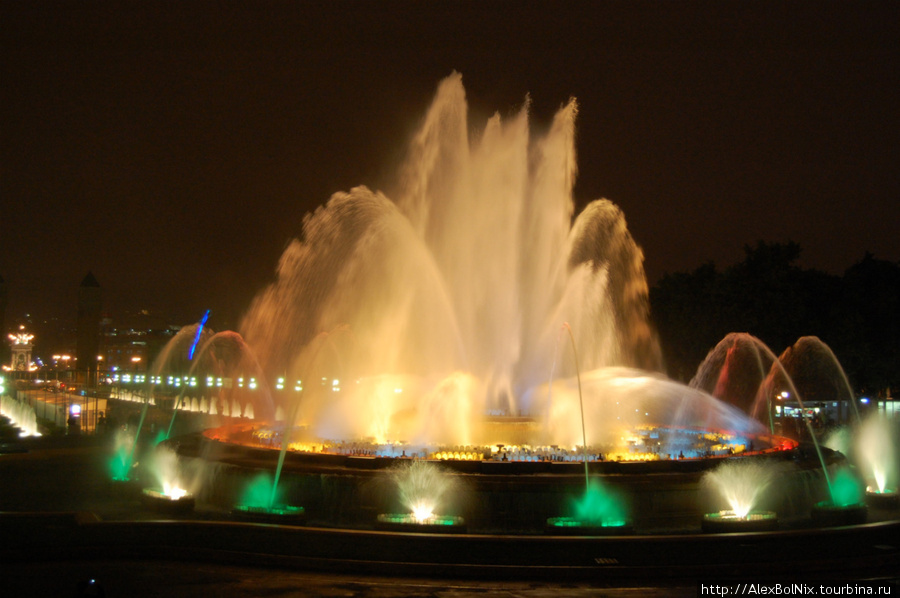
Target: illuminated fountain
{"x":437,"y":331}
{"x":449,"y":297}
{"x":600,"y":511}
{"x":845,"y":504}
{"x":21,"y":415}
{"x":424,"y":489}
{"x":876,"y":448}
{"x":121,"y":461}
{"x":814,"y":373}
{"x":263,"y":501}
{"x":169,"y":494}
{"x":743,"y":371}
{"x":741,"y":484}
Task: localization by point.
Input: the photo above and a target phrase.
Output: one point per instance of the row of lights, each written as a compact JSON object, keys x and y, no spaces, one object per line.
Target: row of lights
{"x":191,"y":381}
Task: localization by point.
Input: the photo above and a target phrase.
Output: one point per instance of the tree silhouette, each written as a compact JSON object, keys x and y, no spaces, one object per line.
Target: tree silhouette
{"x":769,"y":296}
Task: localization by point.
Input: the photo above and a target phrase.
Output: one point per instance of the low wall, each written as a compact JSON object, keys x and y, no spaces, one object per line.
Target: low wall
{"x":496,"y":497}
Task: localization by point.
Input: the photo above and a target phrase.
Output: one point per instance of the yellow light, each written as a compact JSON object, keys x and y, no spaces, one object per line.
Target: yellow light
{"x":422,"y":512}
{"x":173,"y":491}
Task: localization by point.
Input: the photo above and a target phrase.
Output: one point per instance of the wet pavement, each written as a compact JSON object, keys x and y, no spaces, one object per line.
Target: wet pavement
{"x":139,"y":579}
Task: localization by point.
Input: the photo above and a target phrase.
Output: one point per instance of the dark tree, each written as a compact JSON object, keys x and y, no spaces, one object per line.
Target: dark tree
{"x":867,"y":329}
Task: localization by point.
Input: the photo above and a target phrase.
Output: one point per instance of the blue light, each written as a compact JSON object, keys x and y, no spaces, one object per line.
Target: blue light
{"x":864,"y":401}
{"x":197,"y":336}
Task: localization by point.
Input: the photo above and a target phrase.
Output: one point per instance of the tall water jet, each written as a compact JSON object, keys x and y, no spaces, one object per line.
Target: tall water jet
{"x":471,"y":268}
{"x":452,"y":289}
{"x":877,"y":448}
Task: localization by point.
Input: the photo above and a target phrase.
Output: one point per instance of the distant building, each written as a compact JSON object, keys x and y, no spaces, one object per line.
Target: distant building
{"x":4,"y":353}
{"x":133,"y":342}
{"x":87,"y":339}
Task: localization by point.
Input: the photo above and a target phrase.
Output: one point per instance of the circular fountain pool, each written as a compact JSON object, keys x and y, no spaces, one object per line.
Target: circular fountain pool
{"x":513,"y":489}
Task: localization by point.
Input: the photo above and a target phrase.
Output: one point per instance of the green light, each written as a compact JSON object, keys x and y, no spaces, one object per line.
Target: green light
{"x":600,"y":506}
{"x":409,"y":519}
{"x":846,"y":490}
{"x":571,"y":522}
{"x":118,"y":465}
{"x":258,"y":493}
{"x":283,"y":510}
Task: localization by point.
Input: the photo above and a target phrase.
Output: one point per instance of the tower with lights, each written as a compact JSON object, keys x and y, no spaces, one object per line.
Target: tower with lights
{"x":2,"y":317}
{"x":87,"y":339}
{"x":21,"y":346}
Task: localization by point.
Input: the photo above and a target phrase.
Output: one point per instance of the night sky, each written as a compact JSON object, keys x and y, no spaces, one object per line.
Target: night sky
{"x":173,"y":148}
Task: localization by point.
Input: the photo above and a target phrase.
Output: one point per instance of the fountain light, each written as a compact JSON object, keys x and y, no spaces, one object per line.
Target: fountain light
{"x":400,"y":522}
{"x":422,"y":511}
{"x":876,"y":448}
{"x":262,"y":502}
{"x":728,"y":521}
{"x":173,"y":491}
{"x":120,"y":465}
{"x":741,"y":484}
{"x":462,"y":355}
{"x":846,"y":505}
{"x":169,"y":494}
{"x":159,"y":500}
{"x":600,"y":511}
{"x":422,"y":488}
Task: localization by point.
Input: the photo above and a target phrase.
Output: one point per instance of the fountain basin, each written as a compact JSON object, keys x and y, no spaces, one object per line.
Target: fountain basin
{"x":496,"y":496}
{"x":886,"y":499}
{"x":727,"y":522}
{"x":828,"y":514}
{"x":155,"y":499}
{"x":572,"y":526}
{"x":125,"y":488}
{"x":406,"y":522}
{"x":278,"y":514}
